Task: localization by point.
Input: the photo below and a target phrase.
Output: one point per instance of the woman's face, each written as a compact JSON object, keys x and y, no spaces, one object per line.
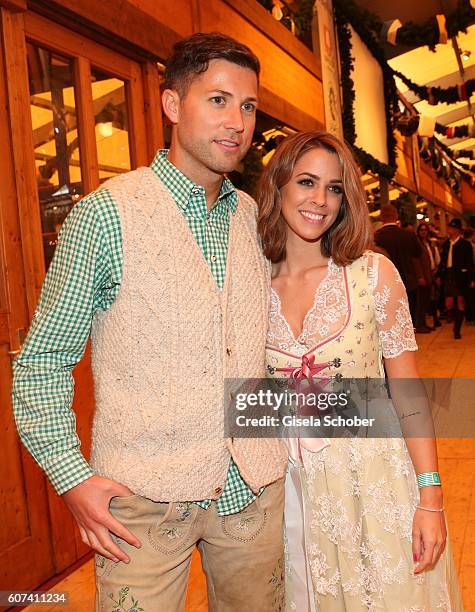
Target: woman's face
{"x":312,"y":198}
{"x":423,"y":232}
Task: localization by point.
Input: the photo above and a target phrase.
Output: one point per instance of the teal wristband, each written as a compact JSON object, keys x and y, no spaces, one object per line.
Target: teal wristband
{"x":428,"y":479}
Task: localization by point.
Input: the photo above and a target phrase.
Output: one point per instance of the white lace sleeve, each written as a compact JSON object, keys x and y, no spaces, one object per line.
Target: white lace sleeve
{"x":391,"y":308}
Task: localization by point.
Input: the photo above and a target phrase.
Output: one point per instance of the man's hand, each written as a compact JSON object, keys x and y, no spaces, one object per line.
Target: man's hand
{"x":89,"y":504}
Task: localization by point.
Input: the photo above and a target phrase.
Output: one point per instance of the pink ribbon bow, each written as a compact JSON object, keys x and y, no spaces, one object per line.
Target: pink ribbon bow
{"x":308,"y":368}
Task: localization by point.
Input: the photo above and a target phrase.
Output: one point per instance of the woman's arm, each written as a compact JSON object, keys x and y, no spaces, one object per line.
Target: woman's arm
{"x":398,"y":345}
{"x":429,"y":531}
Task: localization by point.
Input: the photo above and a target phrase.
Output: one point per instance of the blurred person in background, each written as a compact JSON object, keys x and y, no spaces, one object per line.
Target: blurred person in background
{"x":455,"y":273}
{"x":426,"y":294}
{"x":404,"y":250}
{"x":469,"y":234}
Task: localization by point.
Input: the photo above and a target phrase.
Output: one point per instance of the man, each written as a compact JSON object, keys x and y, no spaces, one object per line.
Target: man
{"x":456,"y":272}
{"x":405,"y":251}
{"x":164,"y":263}
{"x":469,"y":234}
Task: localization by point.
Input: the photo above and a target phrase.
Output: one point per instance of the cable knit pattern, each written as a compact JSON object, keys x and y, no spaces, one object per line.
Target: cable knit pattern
{"x":161,"y":353}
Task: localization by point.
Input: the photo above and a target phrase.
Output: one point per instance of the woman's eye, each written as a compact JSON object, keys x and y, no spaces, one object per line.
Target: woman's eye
{"x":306,"y":182}
{"x":218,"y":100}
{"x":336,"y":189}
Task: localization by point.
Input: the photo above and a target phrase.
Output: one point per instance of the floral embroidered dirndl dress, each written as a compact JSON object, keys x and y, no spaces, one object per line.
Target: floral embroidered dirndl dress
{"x":350,"y":502}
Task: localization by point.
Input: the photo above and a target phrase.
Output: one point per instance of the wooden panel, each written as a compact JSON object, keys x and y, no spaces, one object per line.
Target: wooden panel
{"x":25,"y":551}
{"x":153,"y":108}
{"x":468,"y":197}
{"x":25,"y":545}
{"x":86,"y":125}
{"x":130,"y":29}
{"x":165,"y":13}
{"x":281,"y":74}
{"x":439,"y":193}
{"x":16,"y":74}
{"x":404,"y":167}
{"x":289,"y":114}
{"x":136,"y":114}
{"x":62,"y":40}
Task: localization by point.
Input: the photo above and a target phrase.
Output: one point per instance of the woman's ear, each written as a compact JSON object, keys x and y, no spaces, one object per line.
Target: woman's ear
{"x":171,"y":105}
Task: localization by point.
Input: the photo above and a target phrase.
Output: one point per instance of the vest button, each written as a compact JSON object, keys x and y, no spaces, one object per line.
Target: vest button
{"x":218,"y":490}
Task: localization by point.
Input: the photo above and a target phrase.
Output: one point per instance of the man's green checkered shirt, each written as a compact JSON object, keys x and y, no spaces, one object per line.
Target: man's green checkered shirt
{"x":84,"y":276}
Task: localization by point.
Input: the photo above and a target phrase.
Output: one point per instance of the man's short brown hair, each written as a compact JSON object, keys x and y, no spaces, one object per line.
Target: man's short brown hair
{"x":192,"y":55}
{"x":388,"y":214}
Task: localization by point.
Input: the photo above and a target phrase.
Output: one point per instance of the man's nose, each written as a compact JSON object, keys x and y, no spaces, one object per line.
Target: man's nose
{"x":234,"y":119}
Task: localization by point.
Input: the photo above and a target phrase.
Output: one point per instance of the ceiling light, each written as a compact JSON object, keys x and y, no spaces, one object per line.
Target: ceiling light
{"x":419,"y":216}
{"x":105,"y":129}
{"x":466,"y":55}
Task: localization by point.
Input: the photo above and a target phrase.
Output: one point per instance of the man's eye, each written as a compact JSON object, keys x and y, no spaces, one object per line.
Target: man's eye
{"x":217,"y":99}
{"x":249,"y":107}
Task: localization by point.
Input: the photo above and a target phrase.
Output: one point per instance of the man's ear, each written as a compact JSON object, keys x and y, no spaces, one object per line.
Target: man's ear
{"x":171,"y":105}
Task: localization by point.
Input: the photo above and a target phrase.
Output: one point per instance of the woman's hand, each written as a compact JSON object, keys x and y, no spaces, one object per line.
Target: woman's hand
{"x":429,"y":532}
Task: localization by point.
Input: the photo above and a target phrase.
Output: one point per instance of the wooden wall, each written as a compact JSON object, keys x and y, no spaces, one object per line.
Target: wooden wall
{"x":291,"y":89}
{"x":431,"y":187}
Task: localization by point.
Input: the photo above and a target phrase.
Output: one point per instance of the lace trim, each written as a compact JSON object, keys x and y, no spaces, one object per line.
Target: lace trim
{"x":400,"y":337}
{"x":324,"y":318}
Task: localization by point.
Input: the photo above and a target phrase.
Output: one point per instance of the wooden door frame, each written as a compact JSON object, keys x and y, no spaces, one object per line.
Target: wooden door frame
{"x":17,"y":259}
{"x":145,"y":129}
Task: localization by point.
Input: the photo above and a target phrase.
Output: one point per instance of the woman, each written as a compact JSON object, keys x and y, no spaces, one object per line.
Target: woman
{"x":372,"y":541}
{"x":426,"y":296}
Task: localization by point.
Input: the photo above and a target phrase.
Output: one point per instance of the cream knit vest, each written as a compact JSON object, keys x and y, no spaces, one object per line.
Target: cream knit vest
{"x":161,"y":353}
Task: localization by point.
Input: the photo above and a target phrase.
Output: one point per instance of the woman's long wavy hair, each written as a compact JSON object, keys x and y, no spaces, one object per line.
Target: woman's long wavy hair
{"x":349,"y":236}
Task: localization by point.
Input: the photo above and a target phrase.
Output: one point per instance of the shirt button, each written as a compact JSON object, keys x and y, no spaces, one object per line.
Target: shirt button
{"x":228,"y":351}
{"x":218,"y":490}
{"x":213,"y":258}
{"x":195,"y":190}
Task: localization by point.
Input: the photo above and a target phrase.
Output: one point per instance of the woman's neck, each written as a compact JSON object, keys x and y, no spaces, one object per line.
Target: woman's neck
{"x":301,"y":256}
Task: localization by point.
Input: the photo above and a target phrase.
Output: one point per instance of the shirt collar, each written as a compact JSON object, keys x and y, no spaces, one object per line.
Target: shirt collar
{"x":183,"y":189}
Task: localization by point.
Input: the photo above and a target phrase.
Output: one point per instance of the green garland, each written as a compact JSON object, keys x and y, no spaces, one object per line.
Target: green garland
{"x":436,"y":95}
{"x":417,"y":35}
{"x":346,"y":13}
{"x":304,"y":16}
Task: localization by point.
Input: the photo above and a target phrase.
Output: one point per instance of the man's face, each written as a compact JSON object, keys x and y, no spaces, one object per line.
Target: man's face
{"x":452,"y":232}
{"x":214,"y":121}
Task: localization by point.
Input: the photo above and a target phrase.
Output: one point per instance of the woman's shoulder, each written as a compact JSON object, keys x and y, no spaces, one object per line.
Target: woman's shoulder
{"x":371,"y":258}
{"x":378,"y":268}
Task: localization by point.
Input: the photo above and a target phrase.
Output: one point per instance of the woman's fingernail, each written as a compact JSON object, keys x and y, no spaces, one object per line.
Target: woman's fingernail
{"x":414,"y":556}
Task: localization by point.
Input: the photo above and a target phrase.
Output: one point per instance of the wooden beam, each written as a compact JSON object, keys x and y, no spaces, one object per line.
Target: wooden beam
{"x":136,"y":119}
{"x":128,"y":30}
{"x":286,"y":113}
{"x":153,"y":108}
{"x":16,"y":6}
{"x":86,"y":125}
{"x":16,"y":70}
